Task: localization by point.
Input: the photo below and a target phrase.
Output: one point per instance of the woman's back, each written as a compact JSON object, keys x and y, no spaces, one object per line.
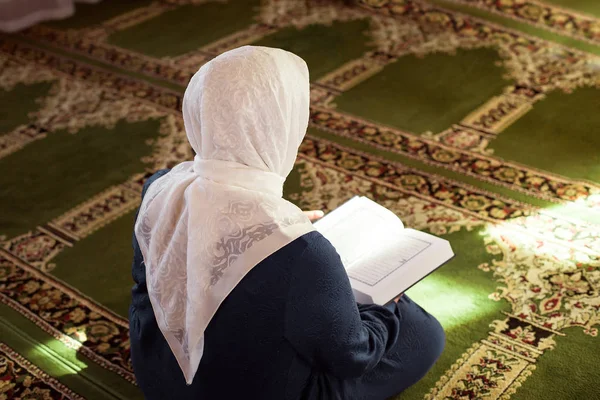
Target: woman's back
{"x":289,"y":329}
{"x":245,"y":348}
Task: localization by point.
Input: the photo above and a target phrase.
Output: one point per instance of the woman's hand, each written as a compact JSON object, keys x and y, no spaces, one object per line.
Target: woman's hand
{"x":314,"y":215}
{"x":397,"y":298}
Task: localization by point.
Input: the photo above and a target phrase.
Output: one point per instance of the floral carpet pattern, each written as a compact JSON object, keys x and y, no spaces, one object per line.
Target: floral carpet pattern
{"x":19,"y":379}
{"x":567,"y":22}
{"x":527,"y":244}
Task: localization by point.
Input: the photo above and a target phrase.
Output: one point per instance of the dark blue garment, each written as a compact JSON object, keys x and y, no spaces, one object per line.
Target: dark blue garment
{"x":290,"y":330}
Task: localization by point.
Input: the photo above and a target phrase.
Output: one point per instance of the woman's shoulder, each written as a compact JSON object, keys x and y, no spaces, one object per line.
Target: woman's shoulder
{"x":317,"y":266}
{"x":152,"y":178}
{"x":317,"y":250}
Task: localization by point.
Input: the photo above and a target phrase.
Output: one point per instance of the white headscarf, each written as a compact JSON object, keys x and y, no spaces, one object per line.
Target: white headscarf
{"x":203,"y":226}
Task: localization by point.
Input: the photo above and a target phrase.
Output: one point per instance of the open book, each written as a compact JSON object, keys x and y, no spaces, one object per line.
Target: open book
{"x":382,"y":258}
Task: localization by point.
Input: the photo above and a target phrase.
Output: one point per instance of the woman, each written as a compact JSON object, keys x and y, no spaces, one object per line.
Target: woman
{"x":236,"y":295}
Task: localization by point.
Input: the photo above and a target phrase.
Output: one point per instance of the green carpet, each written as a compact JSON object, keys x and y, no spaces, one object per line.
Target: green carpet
{"x":482,"y":131}
{"x":340,"y":43}
{"x":186,"y":28}
{"x":444,"y":91}
{"x":88,"y":15}
{"x":582,"y":365}
{"x":571,"y":121}
{"x":457,"y":296}
{"x":111,"y":245}
{"x":18,"y":103}
{"x":85,"y":164}
{"x":509,"y":21}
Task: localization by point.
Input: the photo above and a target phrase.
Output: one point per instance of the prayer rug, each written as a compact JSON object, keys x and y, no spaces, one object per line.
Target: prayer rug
{"x":473,"y":120}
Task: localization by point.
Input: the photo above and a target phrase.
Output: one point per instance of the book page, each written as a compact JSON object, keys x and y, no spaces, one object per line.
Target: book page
{"x":357,"y":228}
{"x":382,"y":259}
{"x":352,"y":237}
{"x":390,"y":254}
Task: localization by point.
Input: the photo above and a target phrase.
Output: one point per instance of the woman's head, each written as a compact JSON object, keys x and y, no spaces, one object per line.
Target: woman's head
{"x":250,"y":106}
